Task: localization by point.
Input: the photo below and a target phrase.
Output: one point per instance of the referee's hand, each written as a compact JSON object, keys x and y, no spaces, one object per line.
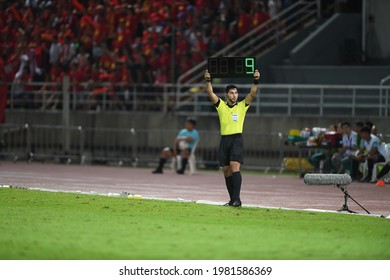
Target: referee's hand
{"x":207,"y":76}
{"x":256,"y":75}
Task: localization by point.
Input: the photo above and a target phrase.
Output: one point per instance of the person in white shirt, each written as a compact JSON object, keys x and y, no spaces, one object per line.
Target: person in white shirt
{"x":342,"y":160}
{"x":54,"y":52}
{"x":67,"y":51}
{"x":372,"y":150}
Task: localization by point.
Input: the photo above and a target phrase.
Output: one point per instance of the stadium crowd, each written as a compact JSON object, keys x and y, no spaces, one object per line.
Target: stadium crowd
{"x":128,"y":41}
{"x":111,"y":41}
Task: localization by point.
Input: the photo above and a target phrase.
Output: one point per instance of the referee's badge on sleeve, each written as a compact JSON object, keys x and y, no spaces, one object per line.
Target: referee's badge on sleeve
{"x":235,"y":117}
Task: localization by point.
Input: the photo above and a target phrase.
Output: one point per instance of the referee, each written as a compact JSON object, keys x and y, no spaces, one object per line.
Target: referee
{"x":231,"y":118}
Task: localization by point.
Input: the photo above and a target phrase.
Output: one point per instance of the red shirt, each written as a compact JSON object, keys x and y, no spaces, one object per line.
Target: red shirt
{"x":86,"y":38}
{"x":100,"y":33}
{"x":111,"y":21}
{"x":76,"y":76}
{"x":182,"y":46}
{"x":244,"y":23}
{"x":107,"y":62}
{"x":122,"y":38}
{"x":260,"y":18}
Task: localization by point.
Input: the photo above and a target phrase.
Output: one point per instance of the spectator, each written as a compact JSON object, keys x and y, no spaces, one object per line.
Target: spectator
{"x":260,"y":17}
{"x":67,"y":52}
{"x":82,"y":58}
{"x":49,"y":93}
{"x":77,"y":79}
{"x":372,"y":127}
{"x":372,"y":150}
{"x":244,"y":23}
{"x":319,"y":156}
{"x":8,"y":66}
{"x":93,"y":84}
{"x":358,"y":126}
{"x":54,"y":52}
{"x":274,"y":7}
{"x":21,"y":89}
{"x":119,"y":83}
{"x":342,"y":160}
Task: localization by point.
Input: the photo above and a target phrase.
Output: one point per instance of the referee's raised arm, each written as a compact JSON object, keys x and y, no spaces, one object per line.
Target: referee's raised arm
{"x":251,"y":95}
{"x":213,"y":97}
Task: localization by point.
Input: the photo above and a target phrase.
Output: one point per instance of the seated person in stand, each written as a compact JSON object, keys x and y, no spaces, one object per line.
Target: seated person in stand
{"x":372,"y":126}
{"x":183,"y":144}
{"x":342,"y":160}
{"x":317,"y":157}
{"x":375,"y":151}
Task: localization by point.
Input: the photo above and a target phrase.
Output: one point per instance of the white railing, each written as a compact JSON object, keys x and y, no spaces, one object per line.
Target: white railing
{"x":272,"y":99}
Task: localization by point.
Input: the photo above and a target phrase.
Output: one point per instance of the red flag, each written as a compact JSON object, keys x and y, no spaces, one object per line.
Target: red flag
{"x":89,"y":20}
{"x":100,"y":90}
{"x":104,"y":76}
{"x":15,"y":13}
{"x":30,"y":13}
{"x":25,"y":19}
{"x":78,"y":5}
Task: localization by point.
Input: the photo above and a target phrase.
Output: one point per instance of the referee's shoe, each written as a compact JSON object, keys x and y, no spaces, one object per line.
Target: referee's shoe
{"x":236,"y":203}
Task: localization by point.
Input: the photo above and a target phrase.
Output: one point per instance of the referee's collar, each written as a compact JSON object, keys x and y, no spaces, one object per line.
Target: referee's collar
{"x":231,"y":106}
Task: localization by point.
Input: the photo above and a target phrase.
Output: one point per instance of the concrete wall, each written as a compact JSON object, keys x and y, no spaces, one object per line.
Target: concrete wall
{"x":332,"y":75}
{"x":327,"y":55}
{"x":280,"y":54}
{"x":378,"y":40}
{"x":336,"y":42}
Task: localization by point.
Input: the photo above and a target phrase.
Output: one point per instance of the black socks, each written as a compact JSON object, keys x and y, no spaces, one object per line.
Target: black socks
{"x":229,"y":186}
{"x":161,"y":164}
{"x":237,"y":179}
{"x":184,"y":162}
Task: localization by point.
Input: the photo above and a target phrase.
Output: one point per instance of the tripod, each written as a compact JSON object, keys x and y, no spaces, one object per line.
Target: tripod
{"x":343,"y":188}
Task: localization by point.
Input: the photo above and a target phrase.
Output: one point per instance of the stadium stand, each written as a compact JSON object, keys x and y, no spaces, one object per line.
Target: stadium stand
{"x":148,"y":56}
{"x":135,"y":36}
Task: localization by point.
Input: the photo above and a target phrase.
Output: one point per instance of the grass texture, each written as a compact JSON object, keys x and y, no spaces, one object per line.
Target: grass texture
{"x":49,"y":226}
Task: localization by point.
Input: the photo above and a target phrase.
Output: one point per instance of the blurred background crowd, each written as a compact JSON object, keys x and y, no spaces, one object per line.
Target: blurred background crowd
{"x":131,"y":41}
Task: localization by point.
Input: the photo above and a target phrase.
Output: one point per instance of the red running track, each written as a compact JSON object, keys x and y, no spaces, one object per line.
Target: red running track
{"x":280,"y":191}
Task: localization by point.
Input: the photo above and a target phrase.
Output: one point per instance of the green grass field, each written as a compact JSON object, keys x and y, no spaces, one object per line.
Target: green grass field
{"x":45,"y":225}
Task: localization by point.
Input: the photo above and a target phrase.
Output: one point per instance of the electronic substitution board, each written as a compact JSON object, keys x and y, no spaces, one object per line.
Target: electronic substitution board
{"x":231,"y":67}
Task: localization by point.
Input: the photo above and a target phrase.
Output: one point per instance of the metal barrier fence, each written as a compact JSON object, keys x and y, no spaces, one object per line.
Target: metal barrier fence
{"x":129,"y":147}
{"x":14,"y":141}
{"x":290,"y":100}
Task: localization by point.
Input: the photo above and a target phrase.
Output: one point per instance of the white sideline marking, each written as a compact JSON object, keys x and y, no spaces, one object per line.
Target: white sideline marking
{"x":207,"y":202}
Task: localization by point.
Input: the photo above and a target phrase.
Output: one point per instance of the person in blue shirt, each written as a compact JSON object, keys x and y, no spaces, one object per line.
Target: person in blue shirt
{"x":372,"y":150}
{"x":183,"y":144}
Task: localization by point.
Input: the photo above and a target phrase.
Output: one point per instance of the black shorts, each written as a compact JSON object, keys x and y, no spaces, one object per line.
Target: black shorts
{"x":231,"y":148}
